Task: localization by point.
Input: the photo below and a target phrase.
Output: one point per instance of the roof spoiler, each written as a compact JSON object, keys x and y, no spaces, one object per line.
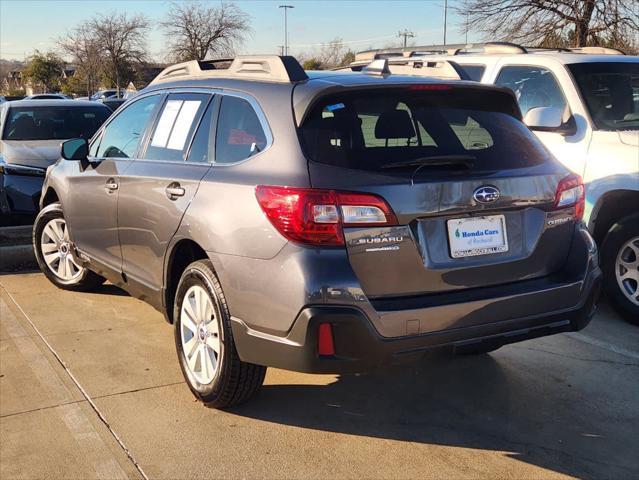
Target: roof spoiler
{"x":274,"y":68}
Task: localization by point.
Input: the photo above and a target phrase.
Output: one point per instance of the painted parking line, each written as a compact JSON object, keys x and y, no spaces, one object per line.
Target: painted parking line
{"x":605,"y":345}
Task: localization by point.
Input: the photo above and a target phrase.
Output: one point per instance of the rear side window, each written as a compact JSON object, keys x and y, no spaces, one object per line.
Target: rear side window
{"x":121,"y":137}
{"x":175,"y":127}
{"x":475,"y":72}
{"x":239,"y":132}
{"x":377,"y":128}
{"x":533,"y":86}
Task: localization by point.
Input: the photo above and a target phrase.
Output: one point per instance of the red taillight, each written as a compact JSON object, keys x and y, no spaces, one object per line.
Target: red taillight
{"x":434,"y":86}
{"x":570,"y":191}
{"x":316,"y":217}
{"x":325,"y":344}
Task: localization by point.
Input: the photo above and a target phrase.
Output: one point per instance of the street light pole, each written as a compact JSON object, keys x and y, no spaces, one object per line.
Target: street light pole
{"x":286,"y":7}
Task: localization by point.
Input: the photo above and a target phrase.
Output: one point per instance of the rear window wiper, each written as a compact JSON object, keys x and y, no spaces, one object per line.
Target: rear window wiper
{"x":435,"y":161}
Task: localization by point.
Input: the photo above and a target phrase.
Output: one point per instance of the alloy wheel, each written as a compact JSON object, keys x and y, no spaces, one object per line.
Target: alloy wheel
{"x":627,"y":269}
{"x":56,"y":251}
{"x":200,"y":334}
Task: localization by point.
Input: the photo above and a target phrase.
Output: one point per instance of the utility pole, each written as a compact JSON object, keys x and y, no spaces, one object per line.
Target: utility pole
{"x":281,"y":47}
{"x":286,"y":7}
{"x":406,"y":34}
{"x":467,"y":18}
{"x":445,"y":18}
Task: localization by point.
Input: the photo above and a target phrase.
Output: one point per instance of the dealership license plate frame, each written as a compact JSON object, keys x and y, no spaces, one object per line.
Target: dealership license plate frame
{"x":482,"y":222}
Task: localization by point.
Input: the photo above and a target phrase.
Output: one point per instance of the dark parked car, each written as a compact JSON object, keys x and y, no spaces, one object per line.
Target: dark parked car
{"x":32,"y":131}
{"x":102,"y":94}
{"x":321,"y":222}
{"x":48,"y":96}
{"x":113,"y":102}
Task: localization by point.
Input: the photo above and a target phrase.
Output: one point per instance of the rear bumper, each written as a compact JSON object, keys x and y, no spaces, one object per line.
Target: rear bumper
{"x":360,"y":347}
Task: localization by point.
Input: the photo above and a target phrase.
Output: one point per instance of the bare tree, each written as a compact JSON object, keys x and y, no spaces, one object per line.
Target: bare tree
{"x":123,"y":41}
{"x":86,"y":53}
{"x":583,"y":22}
{"x":196,"y":31}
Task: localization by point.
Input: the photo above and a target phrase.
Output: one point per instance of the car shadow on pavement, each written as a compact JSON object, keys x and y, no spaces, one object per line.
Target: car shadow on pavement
{"x":110,"y":289}
{"x":482,"y":402}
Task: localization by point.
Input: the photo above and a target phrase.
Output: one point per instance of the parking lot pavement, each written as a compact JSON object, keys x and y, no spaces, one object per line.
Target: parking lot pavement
{"x":563,"y":406}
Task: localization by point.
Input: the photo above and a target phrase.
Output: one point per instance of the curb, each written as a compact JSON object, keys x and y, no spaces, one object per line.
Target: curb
{"x":17,"y":258}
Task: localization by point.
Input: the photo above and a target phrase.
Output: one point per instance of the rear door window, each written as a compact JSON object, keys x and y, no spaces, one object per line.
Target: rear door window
{"x":202,"y":149}
{"x":239,"y":131}
{"x":175,"y":126}
{"x":374,"y":129}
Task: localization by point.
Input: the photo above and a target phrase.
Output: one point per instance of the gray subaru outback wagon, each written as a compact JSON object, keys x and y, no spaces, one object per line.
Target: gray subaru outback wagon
{"x":320,"y":221}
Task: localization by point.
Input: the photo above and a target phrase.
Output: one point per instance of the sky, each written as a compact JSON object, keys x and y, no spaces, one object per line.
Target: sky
{"x":27,"y":25}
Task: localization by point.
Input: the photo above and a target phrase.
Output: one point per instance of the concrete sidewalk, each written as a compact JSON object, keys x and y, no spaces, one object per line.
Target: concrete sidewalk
{"x":556,"y":407}
{"x":48,"y":429}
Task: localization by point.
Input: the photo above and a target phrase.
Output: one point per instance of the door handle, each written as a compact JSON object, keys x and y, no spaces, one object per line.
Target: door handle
{"x":111,"y":185}
{"x":174,"y":191}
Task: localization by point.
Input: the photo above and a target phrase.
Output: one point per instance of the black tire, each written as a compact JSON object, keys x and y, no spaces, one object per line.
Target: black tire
{"x":621,"y":232}
{"x":86,"y":279}
{"x":234,"y":381}
{"x":479,"y":349}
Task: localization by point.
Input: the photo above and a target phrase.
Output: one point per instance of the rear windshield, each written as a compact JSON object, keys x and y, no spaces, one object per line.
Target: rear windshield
{"x":373,"y":129}
{"x":53,"y":123}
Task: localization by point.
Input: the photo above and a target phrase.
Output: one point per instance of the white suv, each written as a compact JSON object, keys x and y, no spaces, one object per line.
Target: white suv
{"x":584,"y":106}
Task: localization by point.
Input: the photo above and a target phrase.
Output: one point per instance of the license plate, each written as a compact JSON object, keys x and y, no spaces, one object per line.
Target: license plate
{"x":469,"y":237}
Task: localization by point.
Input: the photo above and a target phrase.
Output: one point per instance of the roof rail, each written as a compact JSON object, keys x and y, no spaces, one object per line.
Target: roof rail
{"x":597,"y":50}
{"x":444,"y":69}
{"x":270,"y":68}
{"x":452,"y":49}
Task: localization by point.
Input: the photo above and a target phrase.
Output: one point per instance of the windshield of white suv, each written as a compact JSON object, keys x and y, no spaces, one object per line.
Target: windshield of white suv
{"x":611,"y":93}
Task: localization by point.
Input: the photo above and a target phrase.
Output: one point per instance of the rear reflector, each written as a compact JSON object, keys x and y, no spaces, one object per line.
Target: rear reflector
{"x":570,"y":191}
{"x":325,"y":344}
{"x":317,"y":217}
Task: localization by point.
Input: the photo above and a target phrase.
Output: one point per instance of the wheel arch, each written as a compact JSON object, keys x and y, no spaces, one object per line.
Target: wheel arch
{"x":50,"y":196}
{"x":610,"y":208}
{"x":181,"y":254}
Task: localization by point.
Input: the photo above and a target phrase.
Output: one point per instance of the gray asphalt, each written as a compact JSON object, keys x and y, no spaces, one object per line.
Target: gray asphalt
{"x":90,"y":388}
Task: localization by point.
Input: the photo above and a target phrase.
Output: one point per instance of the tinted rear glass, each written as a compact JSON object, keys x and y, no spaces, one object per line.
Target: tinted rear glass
{"x":53,"y":123}
{"x":475,"y":72}
{"x":373,"y":129}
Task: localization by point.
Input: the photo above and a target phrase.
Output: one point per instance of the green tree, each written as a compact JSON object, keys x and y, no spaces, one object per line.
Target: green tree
{"x":45,"y":70}
{"x":312,"y":64}
{"x":75,"y":85}
{"x":347,"y":58}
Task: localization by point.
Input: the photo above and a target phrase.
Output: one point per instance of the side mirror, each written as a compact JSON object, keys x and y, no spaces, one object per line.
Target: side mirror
{"x":550,"y":119}
{"x":75,"y":149}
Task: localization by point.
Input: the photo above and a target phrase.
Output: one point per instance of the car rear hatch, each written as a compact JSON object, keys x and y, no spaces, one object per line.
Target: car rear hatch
{"x":468,"y":195}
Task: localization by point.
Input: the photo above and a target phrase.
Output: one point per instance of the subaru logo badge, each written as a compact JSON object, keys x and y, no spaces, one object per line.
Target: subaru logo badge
{"x":486,"y":194}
